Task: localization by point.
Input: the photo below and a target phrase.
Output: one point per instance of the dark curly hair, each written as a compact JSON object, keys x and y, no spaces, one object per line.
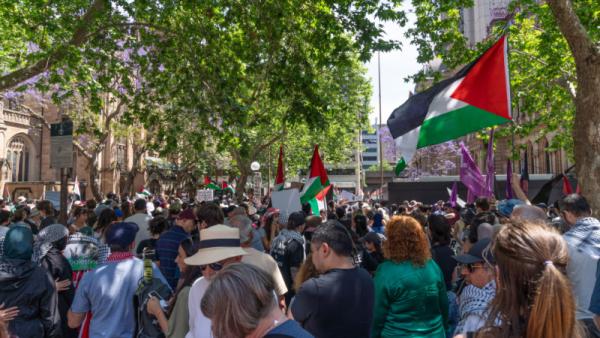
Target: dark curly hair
{"x":406,"y":241}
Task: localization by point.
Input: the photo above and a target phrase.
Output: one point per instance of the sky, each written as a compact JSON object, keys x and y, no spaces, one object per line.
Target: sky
{"x":395,"y":66}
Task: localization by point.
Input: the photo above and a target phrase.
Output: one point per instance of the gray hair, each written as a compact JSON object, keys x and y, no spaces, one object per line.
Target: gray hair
{"x":529,"y":213}
{"x":236,"y":300}
{"x":244,"y":224}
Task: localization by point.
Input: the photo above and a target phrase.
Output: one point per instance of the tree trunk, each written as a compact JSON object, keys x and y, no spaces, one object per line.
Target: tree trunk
{"x":586,"y":134}
{"x":586,"y":129}
{"x":241,"y":186}
{"x":94,"y":178}
{"x":135,"y":169}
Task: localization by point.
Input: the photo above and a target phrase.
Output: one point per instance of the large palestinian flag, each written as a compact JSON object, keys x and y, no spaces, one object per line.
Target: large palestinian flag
{"x":477,"y":97}
{"x":317,"y":178}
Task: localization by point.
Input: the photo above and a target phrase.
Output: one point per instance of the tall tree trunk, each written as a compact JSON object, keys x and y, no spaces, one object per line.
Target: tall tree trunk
{"x":135,"y":169}
{"x":241,"y":186}
{"x":586,"y":129}
{"x":94,"y":178}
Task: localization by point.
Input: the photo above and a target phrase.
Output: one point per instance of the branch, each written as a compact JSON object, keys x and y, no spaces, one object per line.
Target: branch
{"x":79,"y":38}
{"x":577,"y":37}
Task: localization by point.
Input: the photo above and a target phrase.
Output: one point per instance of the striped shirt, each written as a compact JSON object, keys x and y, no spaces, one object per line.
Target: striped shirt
{"x":167,"y":248}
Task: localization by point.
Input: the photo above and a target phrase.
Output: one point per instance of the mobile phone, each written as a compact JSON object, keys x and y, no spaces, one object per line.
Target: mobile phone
{"x":163,"y":303}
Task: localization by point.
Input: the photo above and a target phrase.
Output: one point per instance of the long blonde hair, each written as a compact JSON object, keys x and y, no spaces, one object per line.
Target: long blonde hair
{"x":236,"y":300}
{"x":534,"y":297}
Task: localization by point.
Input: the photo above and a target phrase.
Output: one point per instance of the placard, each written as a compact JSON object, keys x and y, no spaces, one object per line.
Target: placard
{"x":205,"y":195}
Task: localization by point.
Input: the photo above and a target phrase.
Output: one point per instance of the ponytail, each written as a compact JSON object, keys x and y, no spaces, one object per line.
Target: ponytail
{"x":552,"y":312}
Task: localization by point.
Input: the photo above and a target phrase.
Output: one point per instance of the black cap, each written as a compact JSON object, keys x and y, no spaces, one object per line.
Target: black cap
{"x":479,"y":252}
{"x":372,"y":237}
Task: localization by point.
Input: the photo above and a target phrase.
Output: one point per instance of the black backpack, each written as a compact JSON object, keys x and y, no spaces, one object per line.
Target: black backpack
{"x":146,"y":324}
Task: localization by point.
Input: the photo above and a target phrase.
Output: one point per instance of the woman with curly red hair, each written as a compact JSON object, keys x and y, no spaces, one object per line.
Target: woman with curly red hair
{"x":410,"y":293}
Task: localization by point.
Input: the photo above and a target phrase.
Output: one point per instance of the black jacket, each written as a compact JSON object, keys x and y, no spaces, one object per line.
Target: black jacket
{"x":58,"y":266}
{"x":31,"y":288}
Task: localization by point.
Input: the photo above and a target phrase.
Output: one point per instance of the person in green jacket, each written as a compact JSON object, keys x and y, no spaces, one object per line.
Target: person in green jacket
{"x":410,"y":293}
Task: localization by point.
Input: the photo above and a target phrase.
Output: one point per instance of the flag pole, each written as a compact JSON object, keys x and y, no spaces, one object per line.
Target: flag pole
{"x":379,"y":126}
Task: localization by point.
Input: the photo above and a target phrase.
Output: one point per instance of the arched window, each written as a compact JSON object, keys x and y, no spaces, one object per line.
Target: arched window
{"x":18,"y":157}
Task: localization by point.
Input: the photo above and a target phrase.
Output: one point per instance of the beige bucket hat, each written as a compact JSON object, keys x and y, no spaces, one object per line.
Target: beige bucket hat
{"x":217,"y":243}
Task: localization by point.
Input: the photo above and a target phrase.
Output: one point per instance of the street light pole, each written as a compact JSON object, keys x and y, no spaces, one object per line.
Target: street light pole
{"x":378,"y":127}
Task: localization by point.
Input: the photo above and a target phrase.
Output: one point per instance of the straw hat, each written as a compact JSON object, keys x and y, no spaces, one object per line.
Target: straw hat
{"x":217,"y":243}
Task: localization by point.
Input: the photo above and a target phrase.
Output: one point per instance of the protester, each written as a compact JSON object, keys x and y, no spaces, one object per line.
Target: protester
{"x":111,"y":303}
{"x":271,"y":226}
{"x":288,"y":251}
{"x":475,"y":298}
{"x":360,"y":224}
{"x":258,"y":258}
{"x":338,"y":303}
{"x":307,"y":271}
{"x":141,"y":218}
{"x":239,"y":302}
{"x":439,"y":234}
{"x":51,"y":241}
{"x":167,"y":246}
{"x":105,"y":218}
{"x":219,"y":246}
{"x":583,"y":242}
{"x":28,"y":287}
{"x":372,"y":254}
{"x":177,"y":324}
{"x":80,"y":216}
{"x":410,"y":292}
{"x":4,"y":222}
{"x":528,"y":213}
{"x":47,"y":213}
{"x":209,"y":215}
{"x":535,"y":299}
{"x":156,"y":226}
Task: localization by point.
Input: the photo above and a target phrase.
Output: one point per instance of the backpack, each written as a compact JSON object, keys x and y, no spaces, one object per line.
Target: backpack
{"x":146,"y":324}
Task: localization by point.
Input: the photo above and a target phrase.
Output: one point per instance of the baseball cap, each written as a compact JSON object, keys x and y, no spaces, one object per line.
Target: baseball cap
{"x":479,"y":252}
{"x":187,"y":214}
{"x":121,"y":233}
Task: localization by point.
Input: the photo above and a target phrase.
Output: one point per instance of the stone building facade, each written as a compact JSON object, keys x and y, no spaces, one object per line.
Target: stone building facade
{"x":25,"y":156}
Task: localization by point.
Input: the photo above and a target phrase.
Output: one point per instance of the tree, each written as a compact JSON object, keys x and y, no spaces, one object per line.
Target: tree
{"x":554,"y":69}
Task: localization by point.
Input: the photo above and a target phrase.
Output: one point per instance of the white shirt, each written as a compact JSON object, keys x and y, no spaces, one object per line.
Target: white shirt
{"x":199,"y":324}
{"x":142,"y":222}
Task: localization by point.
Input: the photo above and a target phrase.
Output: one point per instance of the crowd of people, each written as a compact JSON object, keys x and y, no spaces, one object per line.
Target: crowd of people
{"x":163,"y":267}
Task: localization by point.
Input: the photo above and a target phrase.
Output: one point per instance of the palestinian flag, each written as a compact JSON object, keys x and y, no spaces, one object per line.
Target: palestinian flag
{"x":318,"y":203}
{"x":280,"y":179}
{"x":317,"y":178}
{"x":477,"y":97}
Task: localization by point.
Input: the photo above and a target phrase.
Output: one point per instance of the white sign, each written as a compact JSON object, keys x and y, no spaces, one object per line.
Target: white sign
{"x":346,"y":195}
{"x":205,"y":195}
{"x":287,"y":201}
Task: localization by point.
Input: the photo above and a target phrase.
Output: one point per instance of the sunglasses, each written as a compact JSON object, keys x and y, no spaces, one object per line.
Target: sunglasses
{"x":213,"y":266}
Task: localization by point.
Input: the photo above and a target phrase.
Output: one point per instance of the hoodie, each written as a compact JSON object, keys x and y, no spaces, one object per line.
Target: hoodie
{"x":31,"y":289}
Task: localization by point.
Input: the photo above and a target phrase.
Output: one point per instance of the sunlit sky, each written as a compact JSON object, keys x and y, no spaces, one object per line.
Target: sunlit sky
{"x":395,"y":67}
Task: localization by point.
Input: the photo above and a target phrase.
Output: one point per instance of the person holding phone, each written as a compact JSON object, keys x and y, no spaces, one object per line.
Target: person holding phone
{"x":173,"y":316}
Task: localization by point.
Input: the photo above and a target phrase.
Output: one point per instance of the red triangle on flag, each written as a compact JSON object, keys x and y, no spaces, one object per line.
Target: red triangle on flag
{"x":320,"y":196}
{"x":567,"y":189}
{"x":486,"y":85}
{"x":317,"y":169}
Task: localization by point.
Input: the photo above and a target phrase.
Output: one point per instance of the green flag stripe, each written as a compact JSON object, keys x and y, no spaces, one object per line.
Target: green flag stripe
{"x":456,"y":123}
{"x":310,"y":191}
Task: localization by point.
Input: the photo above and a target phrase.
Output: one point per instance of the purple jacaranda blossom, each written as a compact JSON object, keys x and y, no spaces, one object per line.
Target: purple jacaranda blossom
{"x":161,"y":68}
{"x":32,"y":47}
{"x":142,"y":51}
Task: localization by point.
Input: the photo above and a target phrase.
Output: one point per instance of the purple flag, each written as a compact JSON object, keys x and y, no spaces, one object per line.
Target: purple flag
{"x":470,"y":196}
{"x":491,"y":172}
{"x":454,"y":194}
{"x":509,"y":190}
{"x":470,"y":175}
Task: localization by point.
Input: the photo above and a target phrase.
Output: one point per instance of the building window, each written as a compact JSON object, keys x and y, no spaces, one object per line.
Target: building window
{"x":121,"y":155}
{"x":18,"y":157}
{"x":369,"y":158}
